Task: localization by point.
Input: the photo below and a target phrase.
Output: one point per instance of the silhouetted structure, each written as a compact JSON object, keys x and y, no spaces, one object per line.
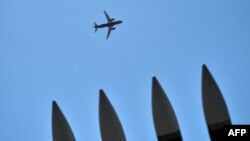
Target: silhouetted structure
{"x":166,"y":124}
{"x":214,"y":106}
{"x":111,"y":129}
{"x":165,"y":121}
{"x":60,"y":127}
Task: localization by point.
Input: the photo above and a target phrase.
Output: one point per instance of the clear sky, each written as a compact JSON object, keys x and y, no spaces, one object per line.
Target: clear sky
{"x":49,"y":51}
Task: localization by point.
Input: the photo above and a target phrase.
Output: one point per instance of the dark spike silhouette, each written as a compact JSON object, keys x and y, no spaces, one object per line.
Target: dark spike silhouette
{"x":60,"y":127}
{"x":110,"y":126}
{"x":214,"y":106}
{"x":166,"y":124}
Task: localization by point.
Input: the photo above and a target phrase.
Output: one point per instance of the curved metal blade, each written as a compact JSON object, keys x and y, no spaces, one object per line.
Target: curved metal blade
{"x":111,"y":129}
{"x":214,"y":106}
{"x":60,"y":127}
{"x":166,"y":124}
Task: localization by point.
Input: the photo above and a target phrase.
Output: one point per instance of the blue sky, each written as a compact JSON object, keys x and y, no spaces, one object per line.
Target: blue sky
{"x":49,"y":51}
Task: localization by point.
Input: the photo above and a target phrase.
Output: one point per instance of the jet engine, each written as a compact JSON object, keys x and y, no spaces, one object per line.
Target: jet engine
{"x":112,"y":19}
{"x":113,"y":28}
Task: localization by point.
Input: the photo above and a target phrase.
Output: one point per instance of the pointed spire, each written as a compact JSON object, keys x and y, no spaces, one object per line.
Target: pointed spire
{"x":214,"y":106}
{"x":110,"y":126}
{"x":60,"y":127}
{"x":166,"y":124}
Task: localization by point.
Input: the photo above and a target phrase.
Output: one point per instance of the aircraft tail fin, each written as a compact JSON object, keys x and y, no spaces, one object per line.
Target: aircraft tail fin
{"x":95,"y":26}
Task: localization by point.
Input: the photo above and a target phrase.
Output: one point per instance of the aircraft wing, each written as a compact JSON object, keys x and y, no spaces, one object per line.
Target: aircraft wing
{"x":107,"y":16}
{"x":109,"y":31}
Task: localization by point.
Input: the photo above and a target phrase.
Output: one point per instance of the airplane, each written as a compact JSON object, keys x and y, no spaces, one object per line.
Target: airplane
{"x":110,"y":23}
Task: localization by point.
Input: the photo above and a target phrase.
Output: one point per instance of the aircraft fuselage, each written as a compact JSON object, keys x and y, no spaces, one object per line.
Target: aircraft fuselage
{"x":110,"y":24}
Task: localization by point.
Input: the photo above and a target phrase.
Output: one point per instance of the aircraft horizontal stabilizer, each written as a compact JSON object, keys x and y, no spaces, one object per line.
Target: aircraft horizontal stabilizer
{"x":95,"y":26}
